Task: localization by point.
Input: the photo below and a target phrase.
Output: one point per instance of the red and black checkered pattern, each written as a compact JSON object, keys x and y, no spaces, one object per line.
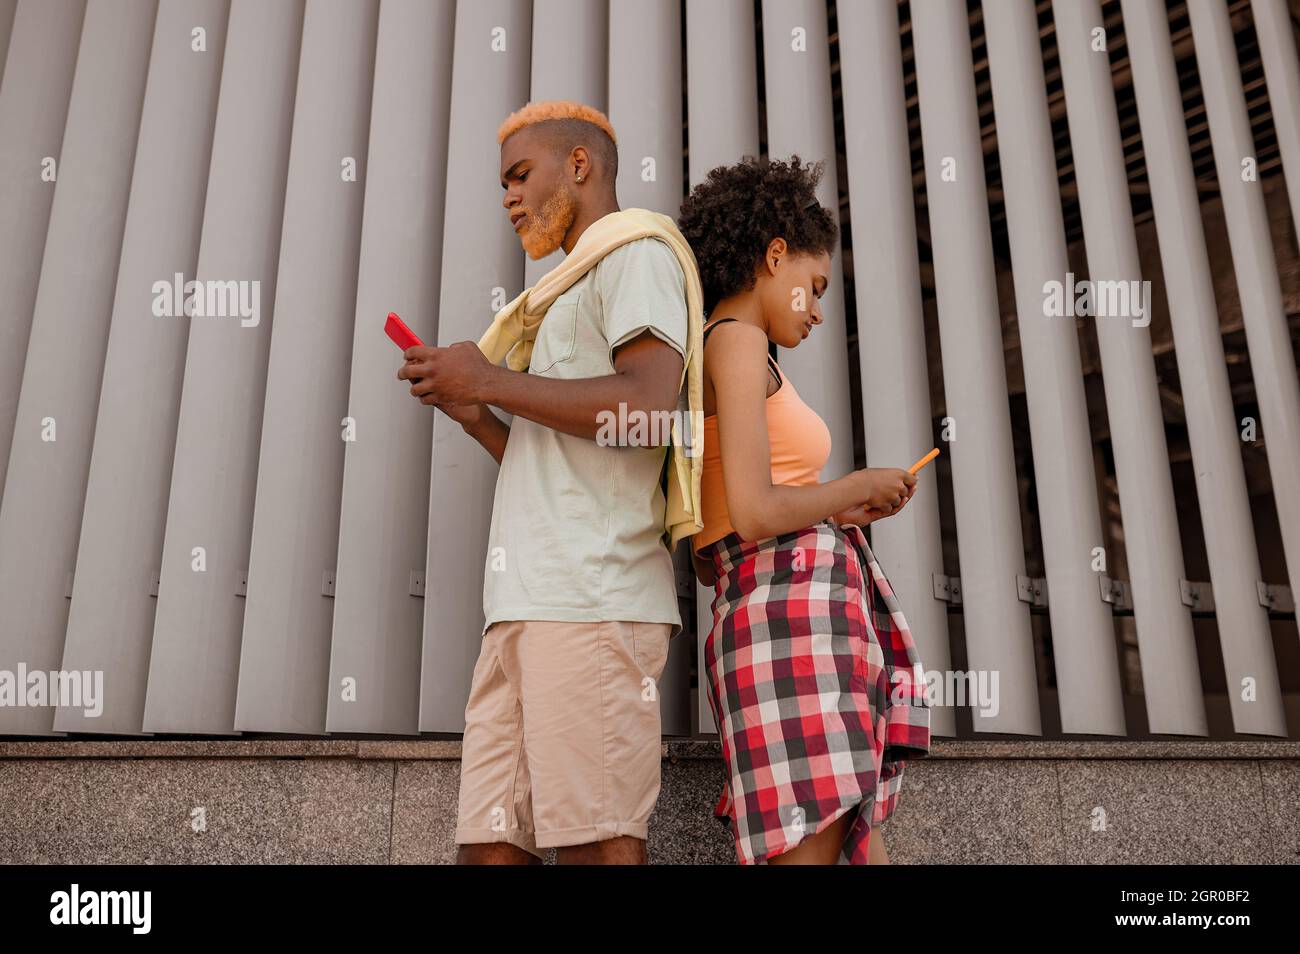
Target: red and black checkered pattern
{"x":816,"y":688}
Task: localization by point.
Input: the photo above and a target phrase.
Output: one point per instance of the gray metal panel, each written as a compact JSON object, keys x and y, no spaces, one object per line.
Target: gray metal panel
{"x":8,"y":8}
{"x":194,"y":663}
{"x":111,"y":620}
{"x":1171,"y":678}
{"x":284,"y":659}
{"x":1273,"y":360}
{"x":570,"y":55}
{"x":1221,"y":493}
{"x":645,"y":103}
{"x":383,"y":527}
{"x":722,"y":84}
{"x":996,"y":623}
{"x":40,"y":516}
{"x":1277,"y":50}
{"x":482,"y":252}
{"x":722,"y":108}
{"x":797,"y":83}
{"x":1083,"y":628}
{"x":645,"y":106}
{"x":43,"y":57}
{"x":895,"y":377}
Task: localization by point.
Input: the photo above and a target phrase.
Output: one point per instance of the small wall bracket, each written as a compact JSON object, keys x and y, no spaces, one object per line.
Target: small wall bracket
{"x":1032,"y":590}
{"x":1198,"y":595}
{"x":1276,"y":596}
{"x":1115,"y":592}
{"x":946,"y":588}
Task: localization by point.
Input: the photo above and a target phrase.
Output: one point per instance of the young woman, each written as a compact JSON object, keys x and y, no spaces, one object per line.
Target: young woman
{"x":814,"y":682}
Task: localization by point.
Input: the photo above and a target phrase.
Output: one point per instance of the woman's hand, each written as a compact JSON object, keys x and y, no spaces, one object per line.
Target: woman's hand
{"x":885,"y":488}
{"x":862,"y":514}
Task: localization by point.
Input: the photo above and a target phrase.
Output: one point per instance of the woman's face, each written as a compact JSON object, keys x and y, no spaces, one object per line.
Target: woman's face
{"x":790,"y":286}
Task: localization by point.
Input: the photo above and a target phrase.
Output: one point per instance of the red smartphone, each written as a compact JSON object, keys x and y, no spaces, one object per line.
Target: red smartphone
{"x":402,"y":336}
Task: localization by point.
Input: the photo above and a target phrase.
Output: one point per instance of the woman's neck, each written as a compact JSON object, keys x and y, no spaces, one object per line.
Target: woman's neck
{"x":744,"y":307}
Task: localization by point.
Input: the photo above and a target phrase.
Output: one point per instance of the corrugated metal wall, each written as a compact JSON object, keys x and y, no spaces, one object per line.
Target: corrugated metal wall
{"x":248,"y":525}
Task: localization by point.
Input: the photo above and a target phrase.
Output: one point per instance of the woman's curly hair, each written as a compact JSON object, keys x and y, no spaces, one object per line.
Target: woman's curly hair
{"x":732,"y":215}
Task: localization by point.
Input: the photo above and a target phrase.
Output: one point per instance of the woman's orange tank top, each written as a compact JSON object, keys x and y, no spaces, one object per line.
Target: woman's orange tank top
{"x":799,"y":441}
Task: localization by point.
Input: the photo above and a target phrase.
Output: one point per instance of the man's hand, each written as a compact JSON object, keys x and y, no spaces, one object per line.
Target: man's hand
{"x":454,"y":375}
{"x":467,"y":416}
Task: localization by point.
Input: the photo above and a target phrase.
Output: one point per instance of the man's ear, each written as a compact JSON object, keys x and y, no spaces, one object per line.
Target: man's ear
{"x":580,"y":163}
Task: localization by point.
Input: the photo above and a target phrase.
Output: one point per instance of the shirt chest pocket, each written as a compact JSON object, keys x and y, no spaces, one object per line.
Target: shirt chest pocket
{"x":557,"y":336}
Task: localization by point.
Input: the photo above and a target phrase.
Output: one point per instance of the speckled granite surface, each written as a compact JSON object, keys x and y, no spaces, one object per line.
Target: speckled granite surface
{"x":376,"y":801}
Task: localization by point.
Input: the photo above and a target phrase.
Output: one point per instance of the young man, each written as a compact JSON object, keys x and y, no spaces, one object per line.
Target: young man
{"x":562,"y":736}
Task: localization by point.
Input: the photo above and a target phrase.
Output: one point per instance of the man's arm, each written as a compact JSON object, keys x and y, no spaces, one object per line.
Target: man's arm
{"x":647,"y":378}
{"x":488,"y":429}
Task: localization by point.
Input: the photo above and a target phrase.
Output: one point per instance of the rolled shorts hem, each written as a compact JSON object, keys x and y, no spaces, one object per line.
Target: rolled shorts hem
{"x":587,"y":834}
{"x":487,"y":836}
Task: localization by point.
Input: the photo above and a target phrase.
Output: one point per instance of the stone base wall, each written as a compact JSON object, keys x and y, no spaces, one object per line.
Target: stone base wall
{"x":377,"y":802}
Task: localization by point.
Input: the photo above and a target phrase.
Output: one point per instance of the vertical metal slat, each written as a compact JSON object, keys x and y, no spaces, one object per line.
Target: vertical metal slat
{"x":111,"y":618}
{"x":1211,"y":426}
{"x":40,"y":516}
{"x":199,"y":621}
{"x":482,"y":261}
{"x":722,"y":111}
{"x":42,"y":57}
{"x":1171,"y":676}
{"x":284,"y":659}
{"x":374,"y":683}
{"x":896,"y":409}
{"x":1083,"y":629}
{"x":996,"y":623}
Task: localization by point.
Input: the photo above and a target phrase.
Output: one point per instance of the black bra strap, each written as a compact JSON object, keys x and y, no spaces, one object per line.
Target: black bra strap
{"x":720,"y":321}
{"x":776,"y":369}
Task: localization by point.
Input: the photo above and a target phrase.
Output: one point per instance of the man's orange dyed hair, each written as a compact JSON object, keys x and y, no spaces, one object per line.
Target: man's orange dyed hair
{"x":568,"y":124}
{"x":554,"y":109}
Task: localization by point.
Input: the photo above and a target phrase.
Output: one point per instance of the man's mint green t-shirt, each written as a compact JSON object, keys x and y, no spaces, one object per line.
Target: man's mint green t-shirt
{"x":577,"y":526}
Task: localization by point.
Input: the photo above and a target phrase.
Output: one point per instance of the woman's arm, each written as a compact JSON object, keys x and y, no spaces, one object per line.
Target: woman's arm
{"x":737,"y":355}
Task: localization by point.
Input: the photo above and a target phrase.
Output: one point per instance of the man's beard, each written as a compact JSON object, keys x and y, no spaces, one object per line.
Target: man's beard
{"x":546,"y":228}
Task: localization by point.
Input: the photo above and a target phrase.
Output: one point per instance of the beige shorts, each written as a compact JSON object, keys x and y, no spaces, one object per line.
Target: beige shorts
{"x":563,"y":742}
